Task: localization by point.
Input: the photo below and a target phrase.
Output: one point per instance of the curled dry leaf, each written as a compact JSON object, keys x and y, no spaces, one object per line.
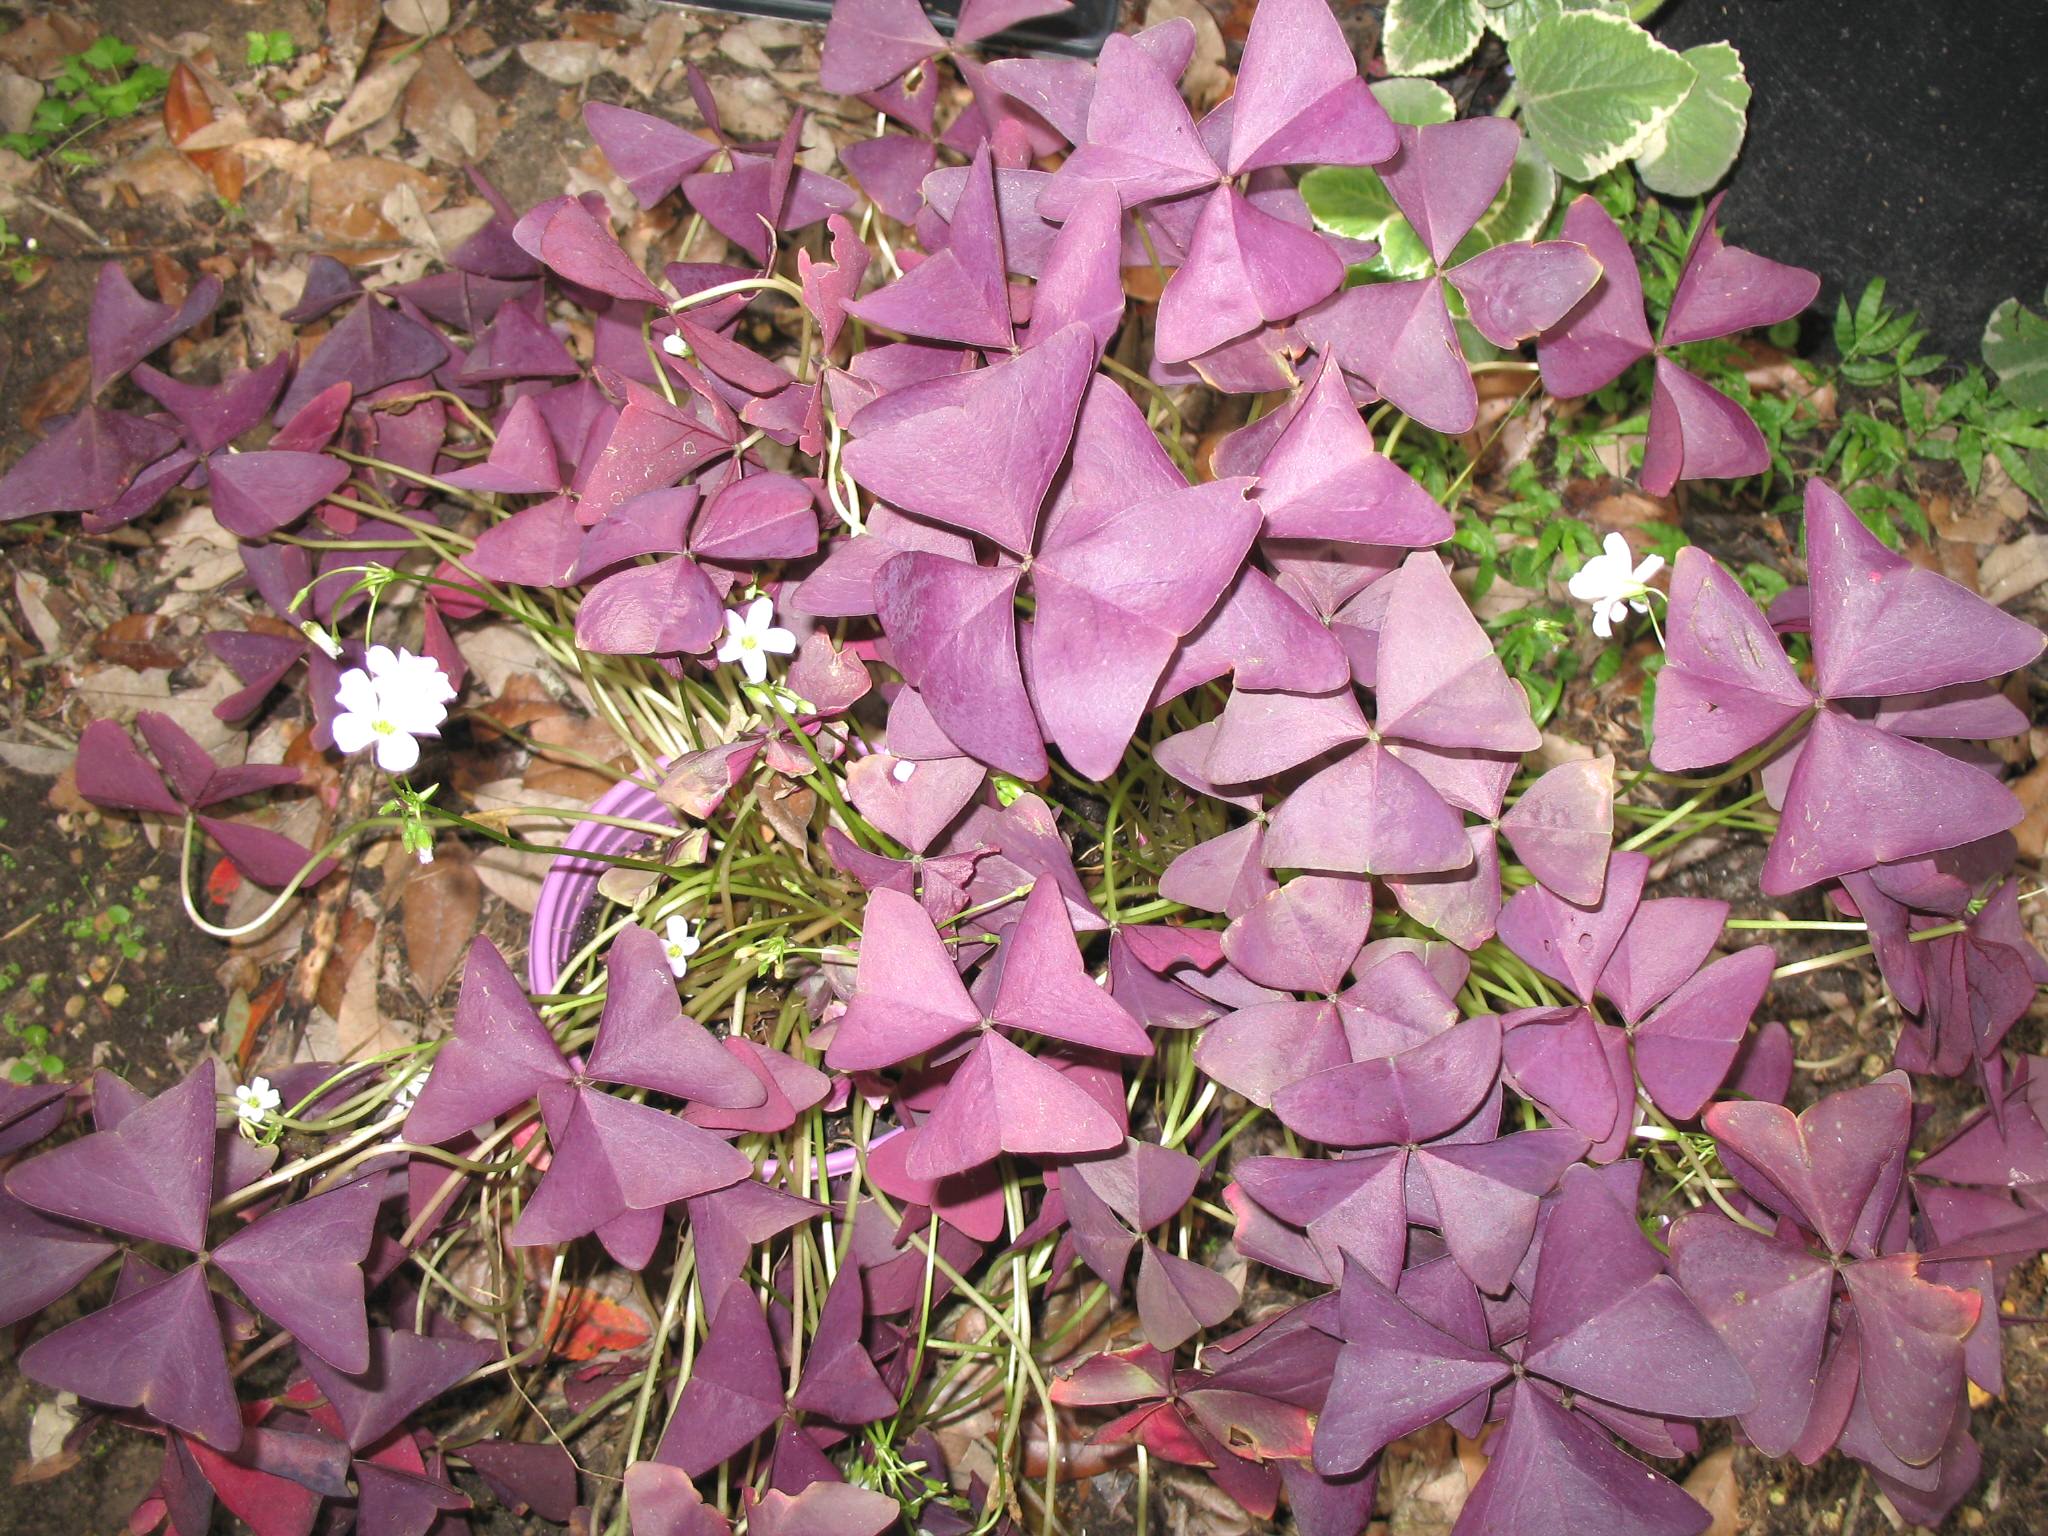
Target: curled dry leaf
{"x":440,"y":904}
{"x":374,"y":95}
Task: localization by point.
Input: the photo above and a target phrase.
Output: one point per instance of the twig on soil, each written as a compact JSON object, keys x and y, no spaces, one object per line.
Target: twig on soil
{"x":70,"y":220}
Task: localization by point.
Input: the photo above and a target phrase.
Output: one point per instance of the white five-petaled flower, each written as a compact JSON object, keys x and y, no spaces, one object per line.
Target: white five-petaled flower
{"x":256,"y":1101}
{"x":1612,"y":582}
{"x":421,"y":672}
{"x":751,"y":638}
{"x":678,"y":943}
{"x":399,"y":698}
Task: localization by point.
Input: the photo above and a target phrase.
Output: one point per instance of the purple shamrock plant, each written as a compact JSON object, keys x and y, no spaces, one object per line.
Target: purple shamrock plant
{"x":1077,"y":852}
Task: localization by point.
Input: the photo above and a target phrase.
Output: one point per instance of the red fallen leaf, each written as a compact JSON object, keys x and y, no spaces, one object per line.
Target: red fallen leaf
{"x":261,"y":1007}
{"x":222,"y":881}
{"x":590,"y":1325}
{"x":186,"y":111}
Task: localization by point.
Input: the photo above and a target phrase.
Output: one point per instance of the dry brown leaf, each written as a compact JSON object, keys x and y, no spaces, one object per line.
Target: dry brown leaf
{"x":189,"y":113}
{"x":39,"y":46}
{"x":417,"y":18}
{"x":565,"y":779}
{"x":295,"y":157}
{"x":513,"y":876}
{"x":62,"y":392}
{"x":196,"y":554}
{"x":31,"y":757}
{"x":452,"y":117}
{"x":751,"y":105}
{"x":497,"y":653}
{"x":19,"y":98}
{"x":2032,"y":832}
{"x":1996,"y":492}
{"x":354,"y":934}
{"x":1959,"y":521}
{"x":647,"y":63}
{"x":454,"y":225}
{"x":348,"y":197}
{"x":32,"y":591}
{"x":1205,"y":80}
{"x":162,"y":175}
{"x":2015,"y":568}
{"x":401,"y":209}
{"x":186,"y":109}
{"x":359,"y":1029}
{"x":1712,"y":1482}
{"x":1982,"y":518}
{"x":565,"y":62}
{"x":787,"y":807}
{"x":734,"y":43}
{"x":226,"y":131}
{"x":374,"y":96}
{"x":119,"y":692}
{"x":351,"y":27}
{"x":441,"y":903}
{"x":131,"y":641}
{"x":1628,"y":509}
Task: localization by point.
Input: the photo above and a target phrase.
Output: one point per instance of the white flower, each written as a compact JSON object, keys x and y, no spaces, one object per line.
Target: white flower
{"x":256,"y":1101}
{"x":674,"y":345}
{"x":903,"y":771}
{"x":750,"y":639}
{"x":1611,"y":583}
{"x":401,"y":666}
{"x":400,"y":698}
{"x":679,"y":944}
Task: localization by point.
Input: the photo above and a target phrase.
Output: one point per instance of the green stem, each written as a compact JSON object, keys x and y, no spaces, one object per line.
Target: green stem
{"x":1736,"y":770}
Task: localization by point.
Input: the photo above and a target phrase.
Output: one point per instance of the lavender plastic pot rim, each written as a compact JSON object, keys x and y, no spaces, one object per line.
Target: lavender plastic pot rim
{"x":570,"y":885}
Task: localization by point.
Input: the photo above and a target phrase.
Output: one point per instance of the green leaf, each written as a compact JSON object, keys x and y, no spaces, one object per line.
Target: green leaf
{"x":108,"y":53}
{"x":1353,"y":201}
{"x":2016,"y":349}
{"x":1402,"y":253}
{"x":1697,"y":144}
{"x":1595,"y":89}
{"x":1427,"y":37}
{"x":1513,"y":18}
{"x":1348,"y":200}
{"x":1417,"y":103}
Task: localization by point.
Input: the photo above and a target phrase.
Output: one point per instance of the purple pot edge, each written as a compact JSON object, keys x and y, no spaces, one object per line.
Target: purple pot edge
{"x":570,"y":885}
